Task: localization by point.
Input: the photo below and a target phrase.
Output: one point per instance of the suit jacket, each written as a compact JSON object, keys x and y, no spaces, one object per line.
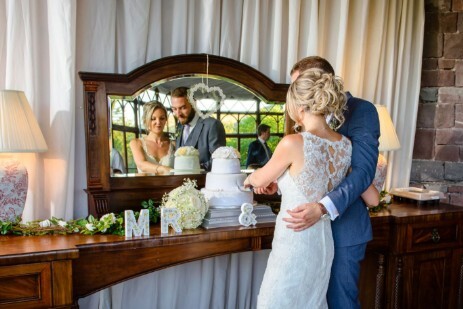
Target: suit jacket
{"x":257,"y":154}
{"x":207,"y":135}
{"x":361,"y":126}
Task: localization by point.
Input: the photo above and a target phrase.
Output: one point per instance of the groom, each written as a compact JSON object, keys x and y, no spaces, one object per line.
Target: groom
{"x":206,"y":135}
{"x":350,"y":224}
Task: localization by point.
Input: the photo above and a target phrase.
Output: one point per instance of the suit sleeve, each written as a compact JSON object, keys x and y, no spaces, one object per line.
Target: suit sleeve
{"x":363,"y":130}
{"x":216,"y":139}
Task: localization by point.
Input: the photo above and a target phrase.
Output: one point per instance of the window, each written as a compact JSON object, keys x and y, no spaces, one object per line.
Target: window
{"x":240,"y":115}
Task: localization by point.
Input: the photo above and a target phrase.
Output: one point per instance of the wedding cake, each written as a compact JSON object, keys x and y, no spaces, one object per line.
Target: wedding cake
{"x":186,"y":161}
{"x":224,"y":183}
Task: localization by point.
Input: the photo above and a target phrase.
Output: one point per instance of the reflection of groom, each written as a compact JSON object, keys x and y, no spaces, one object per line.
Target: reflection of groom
{"x":351,"y":224}
{"x":206,"y":135}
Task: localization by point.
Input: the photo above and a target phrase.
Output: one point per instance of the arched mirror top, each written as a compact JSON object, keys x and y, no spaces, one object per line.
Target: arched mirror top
{"x":184,"y":65}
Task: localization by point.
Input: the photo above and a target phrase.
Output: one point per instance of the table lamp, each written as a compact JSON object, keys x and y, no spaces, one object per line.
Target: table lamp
{"x":19,"y":132}
{"x":388,"y":141}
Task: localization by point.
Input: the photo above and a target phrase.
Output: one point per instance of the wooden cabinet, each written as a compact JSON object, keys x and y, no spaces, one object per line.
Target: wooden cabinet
{"x":415,"y":260}
{"x":26,"y":285}
{"x":420,"y":266}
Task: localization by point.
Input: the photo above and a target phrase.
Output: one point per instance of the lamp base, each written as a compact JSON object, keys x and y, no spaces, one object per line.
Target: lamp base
{"x":381,"y":171}
{"x":13,"y":189}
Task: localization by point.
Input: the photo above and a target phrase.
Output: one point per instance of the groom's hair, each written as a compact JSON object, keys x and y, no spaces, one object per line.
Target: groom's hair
{"x":312,"y":62}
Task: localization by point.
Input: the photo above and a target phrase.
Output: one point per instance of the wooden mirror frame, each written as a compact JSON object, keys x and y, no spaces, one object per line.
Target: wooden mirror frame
{"x":115,"y":194}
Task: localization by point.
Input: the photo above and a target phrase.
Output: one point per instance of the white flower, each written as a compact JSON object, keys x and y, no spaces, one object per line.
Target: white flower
{"x":226,"y":152}
{"x":45,"y":223}
{"x":386,"y":199}
{"x":187,"y":151}
{"x":90,"y":227}
{"x":110,"y":218}
{"x":62,"y":223}
{"x":190,"y":202}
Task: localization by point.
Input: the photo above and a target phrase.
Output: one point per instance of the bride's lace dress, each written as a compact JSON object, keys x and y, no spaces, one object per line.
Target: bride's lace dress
{"x":167,"y":160}
{"x":299,"y":265}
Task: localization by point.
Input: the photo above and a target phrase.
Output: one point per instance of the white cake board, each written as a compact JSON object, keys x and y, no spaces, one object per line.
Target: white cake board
{"x":186,"y":172}
{"x":223,"y":217}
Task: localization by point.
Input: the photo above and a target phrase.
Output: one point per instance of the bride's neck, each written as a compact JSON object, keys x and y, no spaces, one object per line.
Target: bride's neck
{"x":157,"y":138}
{"x":314,"y":123}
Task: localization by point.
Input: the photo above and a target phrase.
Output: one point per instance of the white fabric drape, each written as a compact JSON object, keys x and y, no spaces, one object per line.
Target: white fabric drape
{"x":37,"y":55}
{"x":229,"y":281}
{"x":375,"y":45}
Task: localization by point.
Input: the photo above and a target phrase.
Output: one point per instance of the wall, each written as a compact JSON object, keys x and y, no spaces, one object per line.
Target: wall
{"x":438,"y":149}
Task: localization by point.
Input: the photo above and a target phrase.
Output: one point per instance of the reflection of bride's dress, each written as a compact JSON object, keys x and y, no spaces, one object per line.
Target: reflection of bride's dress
{"x":167,"y":160}
{"x":298,"y":268}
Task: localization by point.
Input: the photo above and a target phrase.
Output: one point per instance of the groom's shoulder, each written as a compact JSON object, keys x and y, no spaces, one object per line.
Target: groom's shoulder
{"x":210,"y":121}
{"x":355,"y":104}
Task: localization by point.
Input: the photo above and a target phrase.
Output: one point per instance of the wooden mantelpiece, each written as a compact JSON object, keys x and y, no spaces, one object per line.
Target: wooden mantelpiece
{"x":414,"y":260}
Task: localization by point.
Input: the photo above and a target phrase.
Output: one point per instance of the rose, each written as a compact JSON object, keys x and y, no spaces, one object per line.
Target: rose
{"x":226,"y":152}
{"x":187,"y":151}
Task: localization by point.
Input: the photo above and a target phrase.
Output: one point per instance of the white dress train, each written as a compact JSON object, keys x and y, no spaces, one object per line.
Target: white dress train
{"x":299,"y":265}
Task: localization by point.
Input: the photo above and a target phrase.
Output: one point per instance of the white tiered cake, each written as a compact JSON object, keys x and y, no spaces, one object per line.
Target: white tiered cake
{"x":186,"y":161}
{"x":224,"y":183}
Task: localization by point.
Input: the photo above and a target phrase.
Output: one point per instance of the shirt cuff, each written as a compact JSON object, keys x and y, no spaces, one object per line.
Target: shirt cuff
{"x":326,"y":201}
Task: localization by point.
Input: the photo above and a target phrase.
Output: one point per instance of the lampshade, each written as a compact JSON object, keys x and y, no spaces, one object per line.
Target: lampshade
{"x":388,"y":139}
{"x":19,"y":130}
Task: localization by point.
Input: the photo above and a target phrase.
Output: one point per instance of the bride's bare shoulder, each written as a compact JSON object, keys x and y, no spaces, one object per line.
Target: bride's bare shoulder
{"x":291,"y":140}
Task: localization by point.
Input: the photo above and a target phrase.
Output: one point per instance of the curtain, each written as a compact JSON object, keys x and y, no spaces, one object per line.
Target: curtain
{"x":375,"y":45}
{"x":37,"y":55}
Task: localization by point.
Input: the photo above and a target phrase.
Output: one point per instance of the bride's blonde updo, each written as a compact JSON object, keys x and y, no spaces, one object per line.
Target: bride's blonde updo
{"x":319,"y":93}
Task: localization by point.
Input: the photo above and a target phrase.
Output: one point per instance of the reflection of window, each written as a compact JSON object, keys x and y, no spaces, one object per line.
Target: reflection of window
{"x":239,"y":117}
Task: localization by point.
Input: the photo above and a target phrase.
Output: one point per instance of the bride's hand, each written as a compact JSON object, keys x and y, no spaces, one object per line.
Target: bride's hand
{"x":303,"y":216}
{"x":270,"y":189}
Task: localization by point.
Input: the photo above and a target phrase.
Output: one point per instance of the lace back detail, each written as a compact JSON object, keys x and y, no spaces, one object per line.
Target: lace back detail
{"x":325,"y":165}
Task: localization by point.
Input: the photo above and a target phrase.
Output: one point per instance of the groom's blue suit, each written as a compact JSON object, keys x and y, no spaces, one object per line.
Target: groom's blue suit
{"x":352,"y":228}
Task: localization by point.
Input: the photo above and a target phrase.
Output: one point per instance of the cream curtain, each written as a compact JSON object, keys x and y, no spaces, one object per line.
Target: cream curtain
{"x":37,"y":55}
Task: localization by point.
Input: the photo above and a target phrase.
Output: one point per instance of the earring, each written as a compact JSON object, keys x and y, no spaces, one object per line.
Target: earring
{"x":297,"y":128}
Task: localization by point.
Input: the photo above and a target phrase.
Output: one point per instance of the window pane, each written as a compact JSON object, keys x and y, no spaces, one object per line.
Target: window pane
{"x":116,"y":112}
{"x":129,"y":114}
{"x":131,"y":167}
{"x":248,"y":124}
{"x":230,"y":123}
{"x":118,"y":142}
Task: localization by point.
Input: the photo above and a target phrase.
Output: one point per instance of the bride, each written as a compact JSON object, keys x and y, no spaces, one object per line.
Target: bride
{"x":307,"y":166}
{"x":153,"y":153}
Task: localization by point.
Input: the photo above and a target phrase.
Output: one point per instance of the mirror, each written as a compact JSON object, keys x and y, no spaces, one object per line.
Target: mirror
{"x":240,"y":112}
{"x":111,"y":101}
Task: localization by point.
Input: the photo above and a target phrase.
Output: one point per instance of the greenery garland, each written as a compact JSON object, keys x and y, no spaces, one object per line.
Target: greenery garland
{"x":385,"y":199}
{"x":108,"y":224}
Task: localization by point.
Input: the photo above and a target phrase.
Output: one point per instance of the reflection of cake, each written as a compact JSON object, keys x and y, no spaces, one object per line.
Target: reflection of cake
{"x":186,"y":160}
{"x":224,"y":183}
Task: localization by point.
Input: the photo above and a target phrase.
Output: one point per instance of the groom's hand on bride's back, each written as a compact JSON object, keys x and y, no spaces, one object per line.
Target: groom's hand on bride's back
{"x":303,"y":216}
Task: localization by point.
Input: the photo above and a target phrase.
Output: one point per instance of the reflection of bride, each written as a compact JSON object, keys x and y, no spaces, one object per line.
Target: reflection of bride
{"x":153,"y":153}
